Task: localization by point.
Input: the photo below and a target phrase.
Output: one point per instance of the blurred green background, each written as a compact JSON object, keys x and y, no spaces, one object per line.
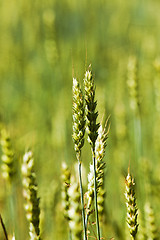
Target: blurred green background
{"x":43,"y":44}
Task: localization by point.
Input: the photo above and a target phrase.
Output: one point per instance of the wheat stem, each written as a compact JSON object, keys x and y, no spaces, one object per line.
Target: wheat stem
{"x":82,"y":201}
{"x":95,"y":195}
{"x":4,"y":228}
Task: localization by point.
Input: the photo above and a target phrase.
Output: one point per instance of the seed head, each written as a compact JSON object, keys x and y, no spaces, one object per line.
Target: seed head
{"x":91,"y":114}
{"x":30,"y":194}
{"x":65,"y":186}
{"x":8,"y":168}
{"x":100,"y":146}
{"x":78,"y":118}
{"x":151,"y":228}
{"x":131,"y":206}
{"x":132,"y":83}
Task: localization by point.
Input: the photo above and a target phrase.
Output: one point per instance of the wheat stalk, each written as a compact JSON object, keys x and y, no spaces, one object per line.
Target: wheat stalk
{"x":132,"y":83}
{"x":4,"y":228}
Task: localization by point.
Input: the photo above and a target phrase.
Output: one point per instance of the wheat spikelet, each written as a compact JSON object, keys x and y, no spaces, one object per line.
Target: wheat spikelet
{"x":141,"y":234}
{"x":78,"y":118}
{"x":132,"y":83}
{"x":91,"y":113}
{"x":8,"y":168}
{"x":150,"y":225}
{"x":50,"y":45}
{"x":131,"y":206}
{"x":100,"y":146}
{"x":65,"y":185}
{"x":30,"y":194}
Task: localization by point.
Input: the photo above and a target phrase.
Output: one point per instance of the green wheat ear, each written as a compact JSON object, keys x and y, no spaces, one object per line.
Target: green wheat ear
{"x":30,"y":194}
{"x":141,"y":235}
{"x":8,"y":173}
{"x":91,"y":113}
{"x":50,"y":46}
{"x":132,"y":83}
{"x":65,"y":185}
{"x":100,"y":146}
{"x":150,"y":225}
{"x":131,"y":206}
{"x":78,"y":118}
{"x":8,"y":168}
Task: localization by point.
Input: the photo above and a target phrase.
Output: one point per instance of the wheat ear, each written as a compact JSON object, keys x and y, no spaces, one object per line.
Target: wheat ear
{"x":8,"y":169}
{"x":150,"y":225}
{"x":131,"y":206}
{"x":132,"y":83}
{"x":92,"y":130}
{"x":78,"y":136}
{"x":9,"y":172}
{"x":65,"y":185}
{"x":30,"y":194}
{"x":100,"y":146}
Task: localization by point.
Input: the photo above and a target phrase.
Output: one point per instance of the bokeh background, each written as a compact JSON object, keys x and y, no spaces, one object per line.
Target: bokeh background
{"x":43,"y":44}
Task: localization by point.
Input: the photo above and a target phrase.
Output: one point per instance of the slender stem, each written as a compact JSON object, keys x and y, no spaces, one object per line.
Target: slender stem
{"x":82,"y":202}
{"x":86,"y":220}
{"x":3,"y":227}
{"x":95,"y":197}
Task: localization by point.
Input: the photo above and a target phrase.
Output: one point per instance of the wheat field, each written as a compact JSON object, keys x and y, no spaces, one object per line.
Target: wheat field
{"x":79,"y":85}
